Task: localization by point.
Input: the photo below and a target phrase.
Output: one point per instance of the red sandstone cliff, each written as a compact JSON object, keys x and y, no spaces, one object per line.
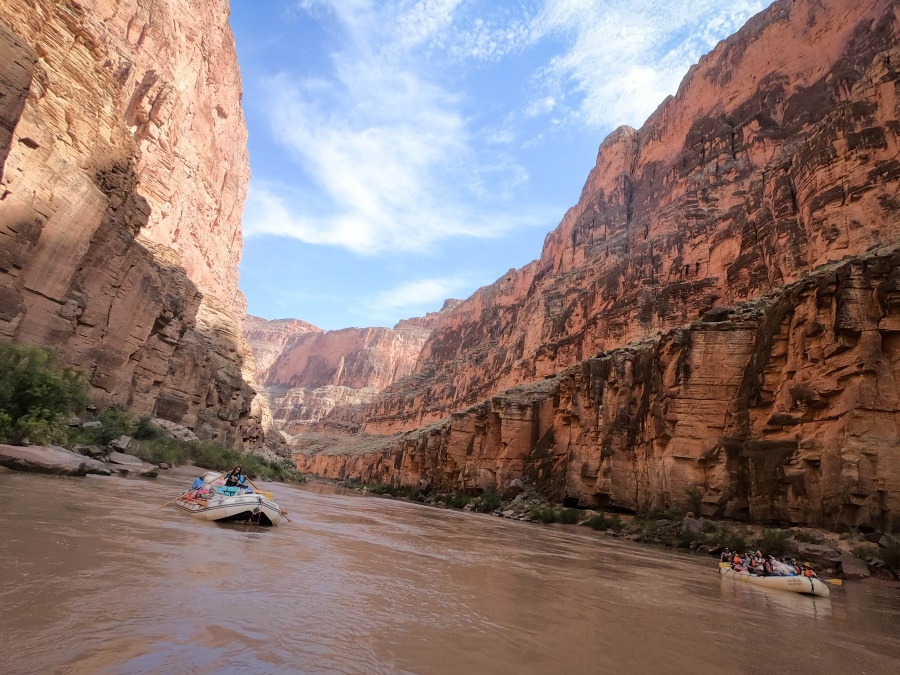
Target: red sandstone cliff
{"x":122,"y":192}
{"x":268,"y":338}
{"x":686,"y":327}
{"x":313,"y":371}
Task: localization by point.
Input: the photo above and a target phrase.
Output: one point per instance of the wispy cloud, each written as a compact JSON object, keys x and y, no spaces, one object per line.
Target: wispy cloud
{"x":625,"y":56}
{"x":413,"y":297}
{"x":390,"y":155}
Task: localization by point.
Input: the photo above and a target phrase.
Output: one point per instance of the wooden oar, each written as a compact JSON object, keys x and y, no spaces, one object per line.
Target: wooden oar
{"x":172,"y":500}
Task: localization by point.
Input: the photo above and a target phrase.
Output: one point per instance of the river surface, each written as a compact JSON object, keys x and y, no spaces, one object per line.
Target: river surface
{"x":94,"y":580}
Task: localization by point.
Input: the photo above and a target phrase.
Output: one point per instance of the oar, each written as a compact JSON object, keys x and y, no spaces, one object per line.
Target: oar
{"x":836,"y":582}
{"x":172,"y":500}
{"x":186,"y":491}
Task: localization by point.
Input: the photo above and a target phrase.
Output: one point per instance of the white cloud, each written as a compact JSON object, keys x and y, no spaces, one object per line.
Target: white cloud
{"x":414,"y":297}
{"x":390,"y":160}
{"x":625,"y":56}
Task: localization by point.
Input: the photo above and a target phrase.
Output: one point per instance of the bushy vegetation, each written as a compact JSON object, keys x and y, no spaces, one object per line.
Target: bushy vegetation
{"x":736,"y":541}
{"x":403,"y":492}
{"x":890,"y":556}
{"x":774,"y":542}
{"x":456,"y":501}
{"x":153,"y":444}
{"x":37,"y":395}
{"x":602,"y":521}
{"x":549,"y":514}
{"x":488,"y":502}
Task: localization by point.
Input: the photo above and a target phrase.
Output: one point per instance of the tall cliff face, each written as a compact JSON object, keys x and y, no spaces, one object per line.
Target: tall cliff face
{"x":317,"y":371}
{"x":687,"y":326}
{"x":776,"y":156}
{"x":268,"y":338}
{"x":783,"y":409}
{"x":122,"y":194}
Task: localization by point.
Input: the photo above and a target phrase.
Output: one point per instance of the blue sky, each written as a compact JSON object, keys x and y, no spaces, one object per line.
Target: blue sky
{"x":405,"y":152}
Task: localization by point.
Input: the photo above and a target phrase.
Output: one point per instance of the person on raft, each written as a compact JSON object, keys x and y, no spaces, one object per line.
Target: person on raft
{"x":235,"y":478}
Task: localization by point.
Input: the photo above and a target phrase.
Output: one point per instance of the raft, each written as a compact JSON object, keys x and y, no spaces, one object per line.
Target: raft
{"x":254,"y":508}
{"x":223,"y":504}
{"x":803,"y":585}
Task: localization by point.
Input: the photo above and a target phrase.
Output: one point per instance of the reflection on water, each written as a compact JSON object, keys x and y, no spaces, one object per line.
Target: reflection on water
{"x":96,"y":581}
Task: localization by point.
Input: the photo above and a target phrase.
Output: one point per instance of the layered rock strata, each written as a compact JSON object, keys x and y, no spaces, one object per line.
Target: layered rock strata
{"x":759,"y":371}
{"x":777,"y":155}
{"x":784,"y":409}
{"x":121,"y":200}
{"x":317,"y":372}
{"x":268,"y":338}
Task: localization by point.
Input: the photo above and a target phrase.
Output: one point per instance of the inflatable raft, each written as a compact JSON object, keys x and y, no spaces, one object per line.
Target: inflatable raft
{"x":804,"y":585}
{"x":253,"y":507}
{"x":229,"y":504}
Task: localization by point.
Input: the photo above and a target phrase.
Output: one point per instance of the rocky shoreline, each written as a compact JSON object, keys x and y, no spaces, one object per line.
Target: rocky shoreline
{"x":59,"y":461}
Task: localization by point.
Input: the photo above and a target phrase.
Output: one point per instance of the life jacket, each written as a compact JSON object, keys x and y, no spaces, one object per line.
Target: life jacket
{"x":808,"y":572}
{"x":231,"y":480}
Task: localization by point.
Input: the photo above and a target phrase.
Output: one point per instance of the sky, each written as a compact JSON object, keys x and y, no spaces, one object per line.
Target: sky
{"x":408,"y":151}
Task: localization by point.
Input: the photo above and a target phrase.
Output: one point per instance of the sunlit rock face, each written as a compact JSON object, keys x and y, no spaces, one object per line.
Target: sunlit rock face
{"x":268,"y":338}
{"x":317,"y":371}
{"x":712,"y":323}
{"x":122,"y":192}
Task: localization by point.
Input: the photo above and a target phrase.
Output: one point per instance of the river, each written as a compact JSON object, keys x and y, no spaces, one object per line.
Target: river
{"x":94,"y":580}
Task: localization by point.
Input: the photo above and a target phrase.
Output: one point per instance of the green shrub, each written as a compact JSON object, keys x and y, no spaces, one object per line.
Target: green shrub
{"x":729,"y":539}
{"x":37,"y":394}
{"x":542,"y":515}
{"x":215,"y":456}
{"x":569,"y":516}
{"x":488,"y":502}
{"x":647,"y":526}
{"x":686,"y":538}
{"x":862,"y":552}
{"x":601,"y":521}
{"x":146,"y":430}
{"x":457,"y":501}
{"x":805,"y":537}
{"x":773,"y":542}
{"x":890,"y":555}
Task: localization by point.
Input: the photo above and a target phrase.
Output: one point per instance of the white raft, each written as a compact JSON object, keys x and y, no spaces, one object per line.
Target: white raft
{"x":804,"y":585}
{"x":257,"y":508}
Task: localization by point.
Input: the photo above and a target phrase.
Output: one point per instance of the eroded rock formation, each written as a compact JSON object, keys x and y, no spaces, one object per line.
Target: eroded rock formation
{"x":122,"y":192}
{"x":313,"y":371}
{"x":267,"y":338}
{"x":687,"y":327}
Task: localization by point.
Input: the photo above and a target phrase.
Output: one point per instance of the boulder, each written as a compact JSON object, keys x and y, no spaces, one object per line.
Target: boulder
{"x":814,"y":550}
{"x":94,"y":451}
{"x":122,"y":458}
{"x":692,"y":525}
{"x":143,"y":471}
{"x":887,"y":542}
{"x":55,"y":461}
{"x":853,"y":567}
{"x":121,"y":443}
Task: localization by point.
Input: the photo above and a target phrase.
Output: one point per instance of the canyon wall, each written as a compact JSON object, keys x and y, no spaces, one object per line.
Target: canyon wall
{"x":777,"y":155}
{"x":267,"y":339}
{"x":317,"y":371}
{"x":783,"y":409}
{"x":121,"y":199}
{"x":713,"y":321}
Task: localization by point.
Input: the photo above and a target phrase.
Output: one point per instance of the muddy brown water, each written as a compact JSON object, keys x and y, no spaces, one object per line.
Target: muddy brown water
{"x":93,"y":580}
